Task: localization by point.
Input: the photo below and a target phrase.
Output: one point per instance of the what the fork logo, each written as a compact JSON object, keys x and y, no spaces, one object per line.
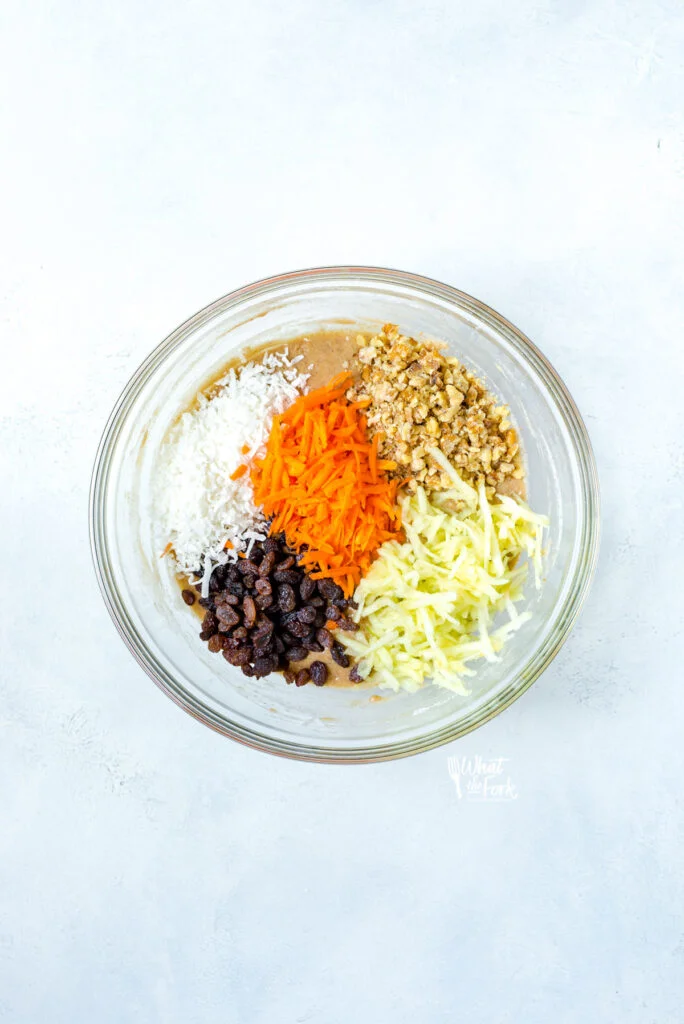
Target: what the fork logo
{"x":482,"y":779}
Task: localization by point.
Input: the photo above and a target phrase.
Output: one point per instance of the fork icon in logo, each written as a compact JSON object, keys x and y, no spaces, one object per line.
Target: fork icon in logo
{"x":455,"y":773}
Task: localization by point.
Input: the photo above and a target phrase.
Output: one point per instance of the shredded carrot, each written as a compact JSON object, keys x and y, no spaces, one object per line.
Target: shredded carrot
{"x":167,"y":550}
{"x":240,"y":471}
{"x":229,"y":545}
{"x":324,"y":486}
{"x":330,"y":624}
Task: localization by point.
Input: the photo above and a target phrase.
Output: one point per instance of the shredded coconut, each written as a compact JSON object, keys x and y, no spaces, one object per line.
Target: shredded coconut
{"x":199,"y":507}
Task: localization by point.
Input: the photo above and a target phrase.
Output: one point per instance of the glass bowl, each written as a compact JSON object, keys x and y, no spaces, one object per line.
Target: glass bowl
{"x":355,"y":724}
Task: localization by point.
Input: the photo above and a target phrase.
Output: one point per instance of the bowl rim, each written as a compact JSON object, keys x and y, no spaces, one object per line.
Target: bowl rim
{"x":536,"y":664}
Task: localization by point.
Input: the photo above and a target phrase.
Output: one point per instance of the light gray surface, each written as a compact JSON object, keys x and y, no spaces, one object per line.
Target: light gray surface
{"x":156,"y":156}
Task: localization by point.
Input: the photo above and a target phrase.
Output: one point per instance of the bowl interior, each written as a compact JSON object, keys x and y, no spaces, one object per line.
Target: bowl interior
{"x":330,"y":723}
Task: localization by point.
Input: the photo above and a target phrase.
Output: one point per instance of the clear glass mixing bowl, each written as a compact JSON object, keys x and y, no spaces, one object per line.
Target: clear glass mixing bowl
{"x":329,"y":724}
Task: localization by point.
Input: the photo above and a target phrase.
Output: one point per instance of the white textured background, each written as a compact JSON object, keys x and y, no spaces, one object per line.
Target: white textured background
{"x":157,"y":155}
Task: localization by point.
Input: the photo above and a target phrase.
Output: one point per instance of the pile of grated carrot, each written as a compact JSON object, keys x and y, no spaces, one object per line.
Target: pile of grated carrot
{"x":322,"y":481}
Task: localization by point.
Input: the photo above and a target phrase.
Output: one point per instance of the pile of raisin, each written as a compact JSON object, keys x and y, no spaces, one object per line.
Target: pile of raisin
{"x":265,"y":613}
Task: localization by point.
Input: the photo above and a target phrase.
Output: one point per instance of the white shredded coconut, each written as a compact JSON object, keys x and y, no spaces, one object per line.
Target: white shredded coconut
{"x":199,"y":507}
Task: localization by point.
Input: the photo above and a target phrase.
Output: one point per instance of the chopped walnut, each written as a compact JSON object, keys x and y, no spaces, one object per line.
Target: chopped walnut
{"x":419,"y":398}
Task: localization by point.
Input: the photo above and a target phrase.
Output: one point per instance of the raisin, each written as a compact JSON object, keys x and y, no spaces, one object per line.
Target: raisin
{"x":264,"y":612}
{"x":263,"y":644}
{"x":329,"y":589}
{"x":312,"y":644}
{"x":227,"y":617}
{"x":265,"y":628}
{"x":338,"y":655}
{"x":263,"y":666}
{"x":209,"y":623}
{"x":318,"y":672}
{"x":347,"y":625}
{"x":215,"y":584}
{"x":267,"y":563}
{"x":325,"y":637}
{"x":299,"y":629}
{"x":286,"y":598}
{"x":188,"y":596}
{"x":218,"y":577}
{"x":287,"y":576}
{"x":250,"y":611}
{"x":239,"y":658}
{"x":354,"y":675}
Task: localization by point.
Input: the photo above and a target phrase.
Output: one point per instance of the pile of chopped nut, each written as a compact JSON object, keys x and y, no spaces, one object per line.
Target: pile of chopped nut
{"x":419,"y":398}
